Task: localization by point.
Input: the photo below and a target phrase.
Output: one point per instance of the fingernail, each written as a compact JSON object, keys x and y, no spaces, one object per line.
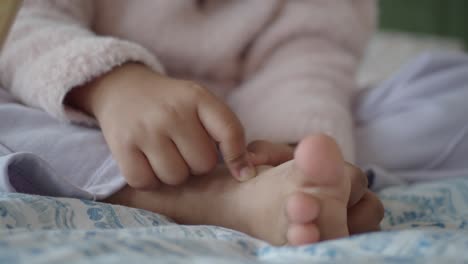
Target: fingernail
{"x":247,"y":173}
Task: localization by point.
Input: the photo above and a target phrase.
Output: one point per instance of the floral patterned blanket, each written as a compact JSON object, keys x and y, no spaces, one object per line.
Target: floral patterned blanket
{"x":425,"y":223}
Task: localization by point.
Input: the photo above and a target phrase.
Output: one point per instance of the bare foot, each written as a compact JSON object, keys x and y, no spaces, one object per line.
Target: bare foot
{"x":299,"y":202}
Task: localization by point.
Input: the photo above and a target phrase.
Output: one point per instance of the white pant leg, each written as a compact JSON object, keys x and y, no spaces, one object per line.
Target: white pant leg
{"x":40,"y":155}
{"x":414,"y":126}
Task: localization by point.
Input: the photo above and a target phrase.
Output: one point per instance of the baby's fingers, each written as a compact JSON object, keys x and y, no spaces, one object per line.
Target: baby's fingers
{"x":165,"y":159}
{"x":135,"y":168}
{"x":196,"y":146}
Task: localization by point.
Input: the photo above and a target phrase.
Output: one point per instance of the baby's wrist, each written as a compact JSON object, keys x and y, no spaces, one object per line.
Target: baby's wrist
{"x":91,"y":97}
{"x":79,"y":98}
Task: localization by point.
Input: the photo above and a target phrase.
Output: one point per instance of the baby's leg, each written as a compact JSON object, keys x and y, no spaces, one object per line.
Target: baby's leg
{"x":301,"y":201}
{"x":47,"y":157}
{"x":298,"y":202}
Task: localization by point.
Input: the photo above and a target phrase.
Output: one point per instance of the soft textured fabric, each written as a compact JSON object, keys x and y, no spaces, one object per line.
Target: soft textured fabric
{"x":269,"y":60}
{"x":40,"y":155}
{"x":411,"y":128}
{"x":425,"y":223}
{"x":414,"y":126}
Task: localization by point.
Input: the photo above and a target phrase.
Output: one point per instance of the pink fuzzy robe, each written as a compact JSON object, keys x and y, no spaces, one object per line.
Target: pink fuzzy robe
{"x":286,"y":67}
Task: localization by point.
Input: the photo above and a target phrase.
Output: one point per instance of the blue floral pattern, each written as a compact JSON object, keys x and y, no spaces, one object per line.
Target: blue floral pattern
{"x":426,"y":223}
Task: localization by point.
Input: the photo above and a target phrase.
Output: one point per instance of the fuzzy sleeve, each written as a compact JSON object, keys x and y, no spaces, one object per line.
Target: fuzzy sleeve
{"x":300,"y":72}
{"x":51,"y":49}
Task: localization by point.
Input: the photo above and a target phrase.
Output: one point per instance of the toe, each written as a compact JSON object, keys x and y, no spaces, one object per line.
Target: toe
{"x":358,"y":184}
{"x":319,"y":159}
{"x":303,"y":234}
{"x":366,"y":215}
{"x":302,"y":208}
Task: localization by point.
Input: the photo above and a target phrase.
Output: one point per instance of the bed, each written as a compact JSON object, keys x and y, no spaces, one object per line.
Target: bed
{"x":425,"y":223}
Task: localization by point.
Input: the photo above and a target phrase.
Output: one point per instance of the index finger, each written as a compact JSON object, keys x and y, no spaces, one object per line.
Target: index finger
{"x":226,"y":129}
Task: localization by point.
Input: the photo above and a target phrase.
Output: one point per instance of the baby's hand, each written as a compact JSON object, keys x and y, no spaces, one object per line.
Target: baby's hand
{"x":161,"y":129}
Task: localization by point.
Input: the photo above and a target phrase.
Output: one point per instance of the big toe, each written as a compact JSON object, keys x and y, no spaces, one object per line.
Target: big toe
{"x":319,"y":160}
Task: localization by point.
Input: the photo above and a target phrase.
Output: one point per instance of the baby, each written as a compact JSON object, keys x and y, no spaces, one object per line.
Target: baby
{"x":171,"y":82}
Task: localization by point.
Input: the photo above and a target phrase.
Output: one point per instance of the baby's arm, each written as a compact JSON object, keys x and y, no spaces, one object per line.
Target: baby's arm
{"x":51,"y":49}
{"x":300,"y":72}
{"x":52,"y":54}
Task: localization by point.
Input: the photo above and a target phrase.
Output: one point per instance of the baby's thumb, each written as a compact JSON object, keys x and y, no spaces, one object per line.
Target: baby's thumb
{"x":238,"y":163}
